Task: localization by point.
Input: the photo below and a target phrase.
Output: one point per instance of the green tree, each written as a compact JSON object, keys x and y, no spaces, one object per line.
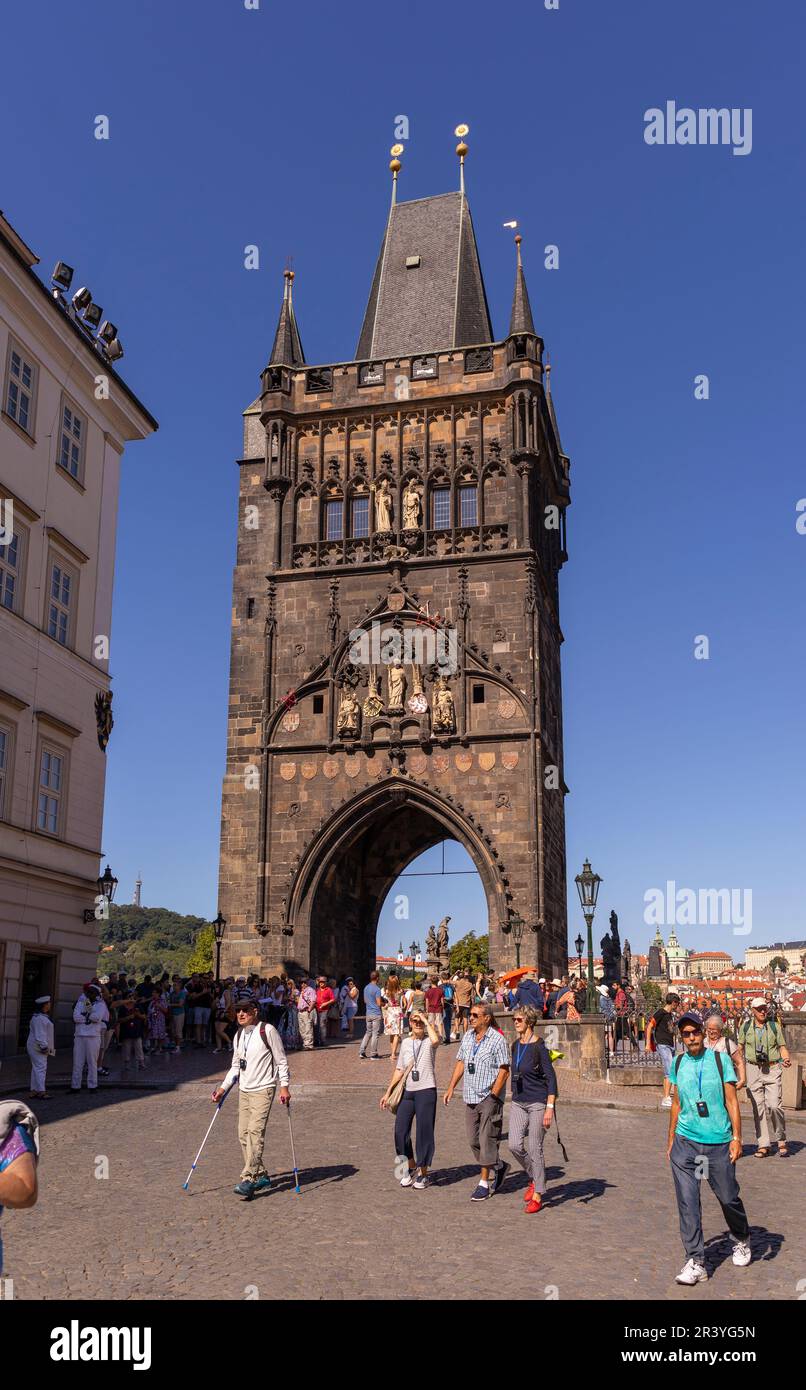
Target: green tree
{"x":653,"y":994}
{"x":778,"y":963}
{"x":201,"y":957}
{"x":470,"y":952}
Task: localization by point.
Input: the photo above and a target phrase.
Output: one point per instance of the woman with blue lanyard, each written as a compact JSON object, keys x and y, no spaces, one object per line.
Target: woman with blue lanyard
{"x":534,"y":1091}
{"x":419,"y":1100}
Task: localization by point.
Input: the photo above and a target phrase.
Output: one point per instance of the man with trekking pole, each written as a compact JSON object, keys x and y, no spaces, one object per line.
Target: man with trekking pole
{"x":259,"y":1063}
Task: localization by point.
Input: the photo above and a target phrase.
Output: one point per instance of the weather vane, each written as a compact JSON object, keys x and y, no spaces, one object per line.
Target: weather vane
{"x":395,"y":165}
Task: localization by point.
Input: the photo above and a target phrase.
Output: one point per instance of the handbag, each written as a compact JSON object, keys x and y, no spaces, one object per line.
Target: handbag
{"x":396,"y":1094}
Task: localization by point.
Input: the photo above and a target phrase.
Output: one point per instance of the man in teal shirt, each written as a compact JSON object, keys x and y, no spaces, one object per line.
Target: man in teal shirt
{"x":705,"y":1141}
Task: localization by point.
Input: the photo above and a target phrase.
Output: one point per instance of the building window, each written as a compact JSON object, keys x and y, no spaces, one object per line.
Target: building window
{"x":359,"y":525}
{"x":61,"y":602}
{"x":5,"y":767}
{"x":478,"y":694}
{"x":441,"y":508}
{"x":20,"y":390}
{"x":11,"y":574}
{"x":333,"y":521}
{"x":51,"y":788}
{"x":318,"y":704}
{"x":71,"y":442}
{"x":250,"y":608}
{"x":468,"y":506}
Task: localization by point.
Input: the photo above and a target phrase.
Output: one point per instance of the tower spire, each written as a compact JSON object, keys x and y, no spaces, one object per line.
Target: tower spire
{"x":287,"y":348}
{"x":521,"y":320}
{"x":461,"y":149}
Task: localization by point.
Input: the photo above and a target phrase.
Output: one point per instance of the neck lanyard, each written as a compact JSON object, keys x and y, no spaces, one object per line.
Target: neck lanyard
{"x":477,"y":1045}
{"x":248,"y":1040}
{"x":416,"y":1050}
{"x":699,"y":1074}
{"x":520,"y":1048}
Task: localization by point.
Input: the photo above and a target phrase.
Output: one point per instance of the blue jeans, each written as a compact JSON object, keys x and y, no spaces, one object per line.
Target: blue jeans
{"x":720,"y":1174}
{"x":666,"y":1054}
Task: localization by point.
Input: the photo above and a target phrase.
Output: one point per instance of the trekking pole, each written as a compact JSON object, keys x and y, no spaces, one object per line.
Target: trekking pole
{"x":297,"y":1187}
{"x":186,"y":1183}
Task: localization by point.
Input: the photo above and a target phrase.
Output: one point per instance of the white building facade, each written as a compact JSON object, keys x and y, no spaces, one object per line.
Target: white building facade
{"x":65,"y":416}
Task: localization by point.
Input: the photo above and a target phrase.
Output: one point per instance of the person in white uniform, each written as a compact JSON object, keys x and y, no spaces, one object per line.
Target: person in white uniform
{"x":40,"y":1045}
{"x":90,"y":1017}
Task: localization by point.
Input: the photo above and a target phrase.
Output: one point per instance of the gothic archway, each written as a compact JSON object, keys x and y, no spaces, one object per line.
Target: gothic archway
{"x":351,"y":863}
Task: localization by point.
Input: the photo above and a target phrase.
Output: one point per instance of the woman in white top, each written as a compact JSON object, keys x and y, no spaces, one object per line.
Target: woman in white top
{"x":348,"y":1005}
{"x":419,"y":1101}
{"x":715,"y":1039}
{"x":40,"y":1046}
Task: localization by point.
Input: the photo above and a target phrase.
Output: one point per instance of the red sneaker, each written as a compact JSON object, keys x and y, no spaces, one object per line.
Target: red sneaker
{"x":533,"y":1206}
{"x":529,"y":1193}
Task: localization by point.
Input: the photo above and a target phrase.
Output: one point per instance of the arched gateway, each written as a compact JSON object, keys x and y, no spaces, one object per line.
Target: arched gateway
{"x":395,"y":675}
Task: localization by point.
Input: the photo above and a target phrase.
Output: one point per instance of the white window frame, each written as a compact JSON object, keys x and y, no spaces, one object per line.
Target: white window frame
{"x":55,"y":794}
{"x":436,"y":493}
{"x":67,"y":434}
{"x":334,"y":507}
{"x":354,"y":500}
{"x":18,"y":571}
{"x":7,"y":732}
{"x":9,"y":379}
{"x":464,"y":490}
{"x":57,"y":561}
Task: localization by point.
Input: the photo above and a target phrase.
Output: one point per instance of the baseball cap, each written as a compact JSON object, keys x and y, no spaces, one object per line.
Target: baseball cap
{"x":758,"y":1002}
{"x":691,"y":1017}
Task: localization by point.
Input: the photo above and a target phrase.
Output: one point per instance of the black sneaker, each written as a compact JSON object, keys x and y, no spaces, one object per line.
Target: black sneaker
{"x":500,"y":1174}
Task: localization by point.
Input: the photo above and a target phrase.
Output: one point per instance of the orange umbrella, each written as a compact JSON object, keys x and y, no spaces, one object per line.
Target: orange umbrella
{"x":510,"y":975}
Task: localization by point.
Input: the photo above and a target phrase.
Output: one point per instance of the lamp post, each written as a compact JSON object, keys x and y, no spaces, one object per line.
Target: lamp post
{"x":106,"y":886}
{"x":579,"y":943}
{"x":219,"y":927}
{"x":415,"y":951}
{"x":516,"y":926}
{"x":588,"y":888}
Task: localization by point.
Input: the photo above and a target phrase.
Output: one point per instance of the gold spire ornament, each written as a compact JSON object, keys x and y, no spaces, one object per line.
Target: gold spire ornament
{"x":461,"y":149}
{"x":395,"y":166}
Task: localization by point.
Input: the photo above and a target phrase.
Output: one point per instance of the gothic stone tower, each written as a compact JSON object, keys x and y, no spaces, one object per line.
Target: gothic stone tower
{"x":418,"y":490}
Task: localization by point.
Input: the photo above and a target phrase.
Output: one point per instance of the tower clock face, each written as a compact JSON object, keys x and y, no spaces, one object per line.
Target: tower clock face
{"x":418,"y":704}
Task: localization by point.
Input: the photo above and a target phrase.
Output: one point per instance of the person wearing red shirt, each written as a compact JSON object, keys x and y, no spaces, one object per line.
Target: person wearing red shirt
{"x":324,"y":998}
{"x":434,"y":1003}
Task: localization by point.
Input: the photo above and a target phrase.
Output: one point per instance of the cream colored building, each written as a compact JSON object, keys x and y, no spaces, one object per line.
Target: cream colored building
{"x":61,"y":443}
{"x":759,"y":957}
{"x":708,"y":965}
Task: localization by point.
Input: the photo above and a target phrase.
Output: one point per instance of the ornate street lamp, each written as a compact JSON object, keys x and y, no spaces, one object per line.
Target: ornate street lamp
{"x":588,"y":888}
{"x":415,"y":951}
{"x":516,"y":926}
{"x":219,"y":927}
{"x":579,"y":943}
{"x":106,"y":886}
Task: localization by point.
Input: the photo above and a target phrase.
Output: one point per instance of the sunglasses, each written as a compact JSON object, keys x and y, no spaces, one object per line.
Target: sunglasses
{"x":689,"y":1032}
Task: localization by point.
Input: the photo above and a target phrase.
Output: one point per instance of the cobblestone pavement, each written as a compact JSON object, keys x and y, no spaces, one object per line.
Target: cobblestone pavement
{"x":608,"y":1228}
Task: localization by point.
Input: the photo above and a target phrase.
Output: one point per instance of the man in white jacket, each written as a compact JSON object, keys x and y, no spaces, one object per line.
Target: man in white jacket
{"x":258,"y":1064}
{"x":90,"y":1017}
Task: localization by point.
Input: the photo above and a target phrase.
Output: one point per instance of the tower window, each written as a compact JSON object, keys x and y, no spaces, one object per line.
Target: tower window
{"x":468,"y":506}
{"x":441,"y":508}
{"x":318,"y":704}
{"x":478,"y":694}
{"x":333,"y":521}
{"x":359,"y":523}
{"x":250,"y":608}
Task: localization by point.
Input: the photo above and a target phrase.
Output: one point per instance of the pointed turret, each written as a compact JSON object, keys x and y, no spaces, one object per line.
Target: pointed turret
{"x":287,"y":349}
{"x":521,"y":317}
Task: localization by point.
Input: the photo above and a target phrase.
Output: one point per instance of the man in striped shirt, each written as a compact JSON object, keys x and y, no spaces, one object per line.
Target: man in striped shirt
{"x":483,"y":1063}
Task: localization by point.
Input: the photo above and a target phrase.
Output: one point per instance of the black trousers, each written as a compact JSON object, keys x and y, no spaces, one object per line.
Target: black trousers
{"x":422,"y":1106}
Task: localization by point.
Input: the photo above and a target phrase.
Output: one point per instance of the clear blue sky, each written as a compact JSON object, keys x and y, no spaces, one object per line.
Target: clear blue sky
{"x":231,"y":127}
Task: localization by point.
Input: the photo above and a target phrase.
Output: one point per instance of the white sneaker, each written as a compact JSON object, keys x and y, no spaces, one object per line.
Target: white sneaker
{"x":691,"y":1273}
{"x":741,"y":1253}
{"x":407,"y":1180}
{"x":666,"y":1103}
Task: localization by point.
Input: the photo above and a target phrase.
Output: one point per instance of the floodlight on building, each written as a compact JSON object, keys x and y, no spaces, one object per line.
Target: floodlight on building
{"x":114,"y":350}
{"x":81,"y":299}
{"x":62,"y":275}
{"x":93,"y":315}
{"x":107,"y":332}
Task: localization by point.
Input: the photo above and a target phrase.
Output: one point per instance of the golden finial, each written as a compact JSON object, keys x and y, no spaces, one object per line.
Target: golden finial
{"x":395,"y":166}
{"x":461,"y":149}
{"x":518,"y":240}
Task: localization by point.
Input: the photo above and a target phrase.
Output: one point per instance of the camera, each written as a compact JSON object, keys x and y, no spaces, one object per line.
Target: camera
{"x":761,"y":1059}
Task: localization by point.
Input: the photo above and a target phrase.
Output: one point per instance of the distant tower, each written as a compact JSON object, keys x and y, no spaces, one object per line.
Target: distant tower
{"x":655,"y":967}
{"x":676,"y":958}
{"x":137,"y":890}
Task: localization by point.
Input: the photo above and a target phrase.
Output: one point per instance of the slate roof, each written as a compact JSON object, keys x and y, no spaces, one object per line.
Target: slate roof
{"x":521,"y":320}
{"x":437,"y":305}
